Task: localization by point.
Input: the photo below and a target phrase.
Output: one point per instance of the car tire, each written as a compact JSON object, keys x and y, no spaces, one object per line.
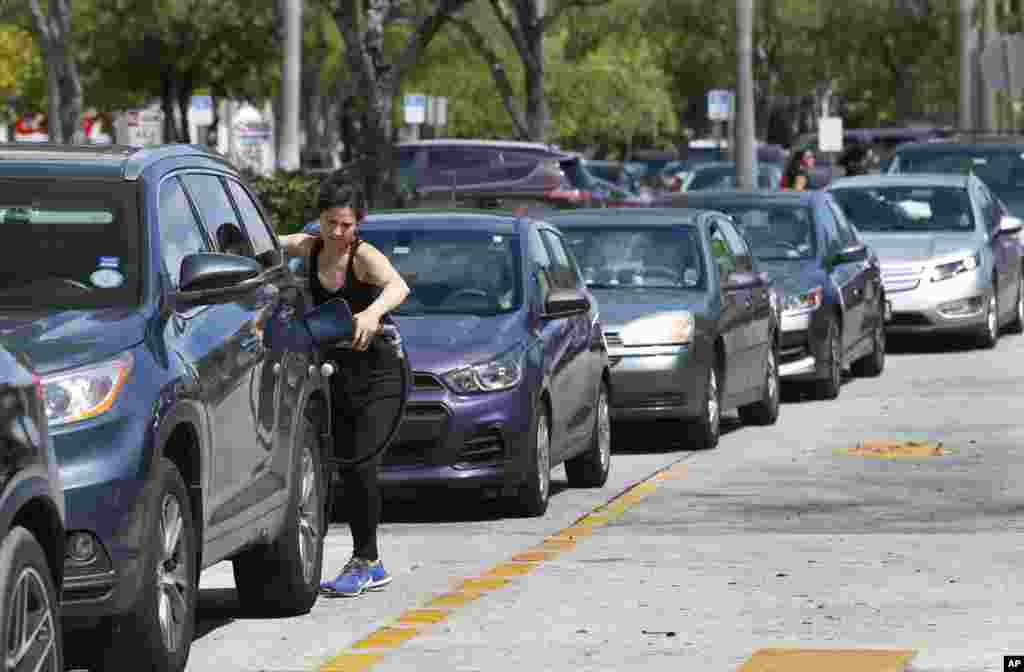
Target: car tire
{"x":873,"y":363}
{"x":703,"y":432}
{"x":282,"y":578}
{"x":137,"y":640}
{"x":590,"y":469}
{"x":828,"y":387}
{"x":25,"y":573}
{"x":1017,"y":325}
{"x":765,"y":411}
{"x":988,"y":337}
{"x":535,"y":491}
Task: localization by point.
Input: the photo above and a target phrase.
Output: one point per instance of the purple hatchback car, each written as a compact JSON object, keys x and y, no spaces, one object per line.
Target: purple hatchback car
{"x":509,"y":359}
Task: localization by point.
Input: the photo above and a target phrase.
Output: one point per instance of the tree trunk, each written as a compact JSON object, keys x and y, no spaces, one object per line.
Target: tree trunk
{"x":54,"y":126}
{"x":63,"y":84}
{"x":537,"y":116}
{"x":168,"y":96}
{"x":184,"y":103}
{"x":904,"y":85}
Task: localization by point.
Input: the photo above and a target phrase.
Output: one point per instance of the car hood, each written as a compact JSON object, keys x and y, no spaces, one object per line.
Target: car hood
{"x":921,"y":246}
{"x":618,"y":307}
{"x":792,"y":277}
{"x":441,"y":343}
{"x":61,"y":339}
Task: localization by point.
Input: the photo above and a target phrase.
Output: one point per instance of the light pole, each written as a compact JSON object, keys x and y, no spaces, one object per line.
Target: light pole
{"x":291,"y":74}
{"x":744,"y":125}
{"x":966,"y":117}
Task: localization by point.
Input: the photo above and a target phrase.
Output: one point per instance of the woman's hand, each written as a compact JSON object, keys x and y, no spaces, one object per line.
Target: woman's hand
{"x":365,"y":325}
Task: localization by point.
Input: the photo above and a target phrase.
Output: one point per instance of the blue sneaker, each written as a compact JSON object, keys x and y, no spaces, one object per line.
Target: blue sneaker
{"x":357,"y":577}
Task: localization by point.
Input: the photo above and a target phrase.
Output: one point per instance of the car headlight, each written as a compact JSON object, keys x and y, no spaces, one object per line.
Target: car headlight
{"x":85,"y":392}
{"x":955,"y":268}
{"x":675,"y":328}
{"x":805,"y":302}
{"x":501,"y":373}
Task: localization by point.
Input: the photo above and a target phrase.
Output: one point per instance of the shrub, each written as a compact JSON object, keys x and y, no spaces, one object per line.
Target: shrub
{"x":289,"y":199}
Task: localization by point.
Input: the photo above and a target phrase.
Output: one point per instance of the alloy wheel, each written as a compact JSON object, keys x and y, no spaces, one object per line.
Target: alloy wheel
{"x":31,"y":637}
{"x":543,"y":457}
{"x":604,"y":430}
{"x":1020,"y":302}
{"x":308,"y":516}
{"x":836,"y":364}
{"x":173,"y":575}
{"x":773,"y":376}
{"x":712,"y":393}
{"x":993,"y":318}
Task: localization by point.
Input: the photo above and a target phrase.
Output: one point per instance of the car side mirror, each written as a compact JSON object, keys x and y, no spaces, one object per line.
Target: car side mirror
{"x":1010,"y":224}
{"x":740,"y":280}
{"x":565,"y":302}
{"x":211,"y":277}
{"x":330,"y":323}
{"x":851,"y":254}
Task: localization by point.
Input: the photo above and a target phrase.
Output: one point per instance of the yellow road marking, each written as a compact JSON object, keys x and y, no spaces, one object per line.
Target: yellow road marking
{"x":386,"y":638}
{"x":535,"y":556}
{"x":558,"y":543}
{"x":482,"y":585}
{"x":352,"y":662}
{"x":575,"y":532}
{"x":423,"y":616}
{"x":454,"y":599}
{"x":511,"y":569}
{"x":594,"y":520}
{"x":890,"y":450}
{"x":833,"y":660}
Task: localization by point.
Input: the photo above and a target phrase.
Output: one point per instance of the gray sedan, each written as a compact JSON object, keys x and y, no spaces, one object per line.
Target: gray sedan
{"x":949,"y":259}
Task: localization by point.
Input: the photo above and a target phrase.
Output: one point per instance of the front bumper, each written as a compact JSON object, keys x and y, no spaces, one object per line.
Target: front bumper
{"x":463,"y":442}
{"x":655,"y":382}
{"x":801,"y":355}
{"x":954,"y":305}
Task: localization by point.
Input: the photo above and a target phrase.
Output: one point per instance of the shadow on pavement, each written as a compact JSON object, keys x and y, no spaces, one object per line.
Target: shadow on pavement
{"x":658,"y":436}
{"x":922,"y":344}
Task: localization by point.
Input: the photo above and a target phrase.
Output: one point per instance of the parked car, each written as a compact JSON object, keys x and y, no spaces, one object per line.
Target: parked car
{"x":949,"y":259}
{"x":690,"y":322}
{"x":722,"y":175}
{"x":581,"y":188}
{"x":614,"y":172}
{"x":31,"y":524}
{"x":509,"y":364}
{"x":833,"y":302}
{"x":183,"y":399}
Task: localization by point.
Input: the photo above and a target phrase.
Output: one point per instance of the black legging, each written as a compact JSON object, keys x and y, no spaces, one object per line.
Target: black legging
{"x":366,"y":392}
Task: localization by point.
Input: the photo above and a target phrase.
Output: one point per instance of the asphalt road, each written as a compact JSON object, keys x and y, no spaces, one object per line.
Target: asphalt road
{"x":778,"y":539}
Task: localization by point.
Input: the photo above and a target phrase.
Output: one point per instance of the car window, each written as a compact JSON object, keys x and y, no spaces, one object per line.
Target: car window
{"x":772,"y":230}
{"x":738,"y":246}
{"x":564,"y":273}
{"x":253,"y":222}
{"x":1000,"y":167}
{"x":831,"y":227}
{"x":456,"y":158}
{"x":540,"y":261}
{"x":847,"y":237}
{"x":725,"y":258}
{"x":217,"y":214}
{"x":911,"y":209}
{"x":638,"y":257}
{"x":180,"y":233}
{"x":987,"y":206}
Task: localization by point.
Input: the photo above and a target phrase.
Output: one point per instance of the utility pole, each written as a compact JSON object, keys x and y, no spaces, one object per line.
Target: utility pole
{"x":989,"y":118}
{"x":290,"y":78}
{"x":965,"y":119}
{"x":743,"y":140}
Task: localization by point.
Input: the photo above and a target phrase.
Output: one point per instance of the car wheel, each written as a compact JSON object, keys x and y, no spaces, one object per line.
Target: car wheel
{"x":536,"y":489}
{"x":157,"y":634}
{"x":590,"y":469}
{"x":989,"y":335}
{"x":828,"y":387}
{"x":873,"y":363}
{"x":1017,"y":325}
{"x":28,"y":606}
{"x":703,"y":433}
{"x":282,"y":578}
{"x":766,"y":410}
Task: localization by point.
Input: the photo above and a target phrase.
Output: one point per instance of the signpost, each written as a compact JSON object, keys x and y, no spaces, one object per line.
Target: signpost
{"x":721,"y":111}
{"x":415,"y":108}
{"x":200,"y":110}
{"x":830,"y":134}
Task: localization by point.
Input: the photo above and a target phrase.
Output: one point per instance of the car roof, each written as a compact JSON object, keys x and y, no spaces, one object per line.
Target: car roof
{"x":506,"y":144}
{"x":124,"y":162}
{"x":625,"y":216}
{"x":418,"y":220}
{"x":903,"y":180}
{"x":942,"y":145}
{"x":777,"y":196}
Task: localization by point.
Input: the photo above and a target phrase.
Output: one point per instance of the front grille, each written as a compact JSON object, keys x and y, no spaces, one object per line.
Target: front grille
{"x":426,"y":381}
{"x":909,"y":320}
{"x":487,"y":446}
{"x":901,"y":278}
{"x":423,"y":431}
{"x":612,"y":339}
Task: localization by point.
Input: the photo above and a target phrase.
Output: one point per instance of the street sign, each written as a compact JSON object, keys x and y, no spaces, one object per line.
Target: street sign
{"x":830,"y":134}
{"x":200,"y":110}
{"x":721,"y":104}
{"x":415,"y":106}
{"x":439,"y":111}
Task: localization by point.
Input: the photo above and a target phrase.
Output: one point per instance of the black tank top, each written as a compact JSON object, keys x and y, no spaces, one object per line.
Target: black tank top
{"x":357,"y":293}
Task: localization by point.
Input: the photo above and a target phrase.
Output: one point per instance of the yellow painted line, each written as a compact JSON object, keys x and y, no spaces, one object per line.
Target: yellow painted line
{"x":451,"y":600}
{"x":508,"y":569}
{"x":422,"y":616}
{"x":352,"y":662}
{"x":833,"y":660}
{"x":893,"y":450}
{"x":386,"y":638}
{"x":521,"y":564}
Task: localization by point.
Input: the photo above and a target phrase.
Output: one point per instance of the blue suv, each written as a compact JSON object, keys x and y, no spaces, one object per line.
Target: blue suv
{"x":183,"y":393}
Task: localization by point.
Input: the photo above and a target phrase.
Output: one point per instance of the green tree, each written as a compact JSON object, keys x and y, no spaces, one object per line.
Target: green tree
{"x":22,"y":74}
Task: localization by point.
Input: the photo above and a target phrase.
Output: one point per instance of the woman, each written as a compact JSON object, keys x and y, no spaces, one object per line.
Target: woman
{"x":797,"y":175}
{"x":367,"y":386}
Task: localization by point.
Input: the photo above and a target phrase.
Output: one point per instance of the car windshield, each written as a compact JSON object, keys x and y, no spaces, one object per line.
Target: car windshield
{"x":455,"y":271}
{"x":774,"y":231}
{"x":1000,"y":169}
{"x":892,"y":209}
{"x":724,"y":177}
{"x":71,"y":245}
{"x":638,"y":257}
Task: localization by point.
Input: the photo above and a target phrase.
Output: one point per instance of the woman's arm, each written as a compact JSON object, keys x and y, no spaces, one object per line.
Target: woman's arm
{"x":297,"y":244}
{"x":800,"y":183}
{"x":372,"y":267}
